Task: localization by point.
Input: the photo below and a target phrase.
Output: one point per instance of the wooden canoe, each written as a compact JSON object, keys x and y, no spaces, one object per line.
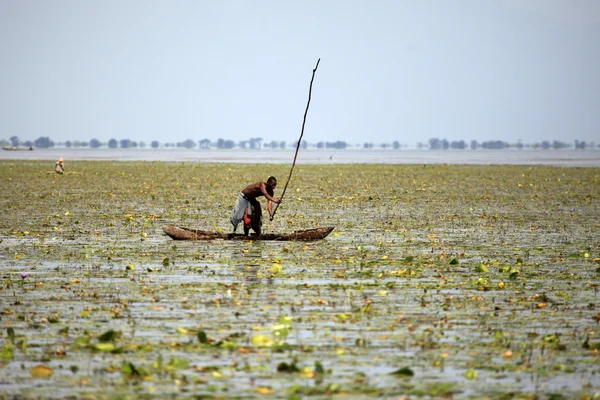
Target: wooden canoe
{"x":17,"y":148}
{"x":182,"y":233}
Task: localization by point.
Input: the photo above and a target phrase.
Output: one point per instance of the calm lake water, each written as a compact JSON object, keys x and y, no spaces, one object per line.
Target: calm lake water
{"x":587,"y":158}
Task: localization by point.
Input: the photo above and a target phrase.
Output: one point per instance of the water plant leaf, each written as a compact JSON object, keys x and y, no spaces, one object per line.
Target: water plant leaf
{"x":82,"y":341}
{"x":11,"y":334}
{"x":228,"y":345}
{"x":483,"y":282}
{"x":276,"y":268}
{"x":110,"y":336}
{"x":108,"y":347}
{"x":471,"y":374}
{"x":41,"y":371}
{"x":287,"y":368}
{"x":594,"y":346}
{"x":319,"y":368}
{"x":158,"y":363}
{"x":202,"y":338}
{"x":129,"y":370}
{"x":342,"y":317}
{"x":177,"y":363}
{"x":23,"y":345}
{"x":481,"y":268}
{"x":53,"y":318}
{"x":262,"y":340}
{"x":504,"y":268}
{"x":281,"y":331}
{"x":404,"y":372}
{"x":7,"y":352}
{"x":454,"y":261}
{"x":551,"y":338}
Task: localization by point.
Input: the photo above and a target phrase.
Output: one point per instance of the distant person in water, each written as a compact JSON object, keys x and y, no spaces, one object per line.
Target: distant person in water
{"x":59,"y":167}
{"x":247,"y":209}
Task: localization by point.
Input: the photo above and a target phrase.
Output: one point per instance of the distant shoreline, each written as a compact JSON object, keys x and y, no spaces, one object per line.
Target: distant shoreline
{"x":564,"y":157}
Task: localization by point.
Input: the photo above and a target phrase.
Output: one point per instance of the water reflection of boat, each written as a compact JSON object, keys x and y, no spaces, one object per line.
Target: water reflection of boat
{"x":181,"y":233}
{"x":17,"y":148}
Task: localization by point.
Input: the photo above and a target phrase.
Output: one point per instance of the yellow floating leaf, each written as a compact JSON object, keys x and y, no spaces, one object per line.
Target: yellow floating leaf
{"x":108,"y":347}
{"x":264,"y":390}
{"x":262,"y":340}
{"x":276,"y":268}
{"x":399,"y":272}
{"x":308,"y":373}
{"x":471,"y":374}
{"x":41,"y":371}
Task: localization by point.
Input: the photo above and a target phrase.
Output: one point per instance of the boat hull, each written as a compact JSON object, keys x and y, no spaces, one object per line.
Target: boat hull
{"x":182,"y":233}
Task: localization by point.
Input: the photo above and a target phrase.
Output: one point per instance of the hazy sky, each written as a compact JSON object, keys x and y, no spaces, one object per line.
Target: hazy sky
{"x":390,"y":70}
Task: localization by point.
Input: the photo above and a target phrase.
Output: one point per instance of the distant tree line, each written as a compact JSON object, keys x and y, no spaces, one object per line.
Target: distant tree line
{"x":258,"y":143}
{"x":443,"y":144}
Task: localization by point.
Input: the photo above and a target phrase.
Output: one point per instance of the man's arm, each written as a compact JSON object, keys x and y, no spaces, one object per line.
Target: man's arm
{"x":263,"y":189}
{"x":270,"y":208}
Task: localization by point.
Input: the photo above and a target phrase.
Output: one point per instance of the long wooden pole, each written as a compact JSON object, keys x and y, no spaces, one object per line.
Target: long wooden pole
{"x":299,"y":140}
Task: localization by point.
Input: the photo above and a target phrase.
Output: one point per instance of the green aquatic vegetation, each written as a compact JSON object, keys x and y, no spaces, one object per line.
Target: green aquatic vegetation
{"x":481,"y":280}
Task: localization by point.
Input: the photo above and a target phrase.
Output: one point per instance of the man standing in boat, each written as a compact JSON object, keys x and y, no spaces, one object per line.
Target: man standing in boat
{"x":247,"y":206}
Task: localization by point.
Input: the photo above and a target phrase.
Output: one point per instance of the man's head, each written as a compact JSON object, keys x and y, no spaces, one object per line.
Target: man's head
{"x":272,"y":181}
